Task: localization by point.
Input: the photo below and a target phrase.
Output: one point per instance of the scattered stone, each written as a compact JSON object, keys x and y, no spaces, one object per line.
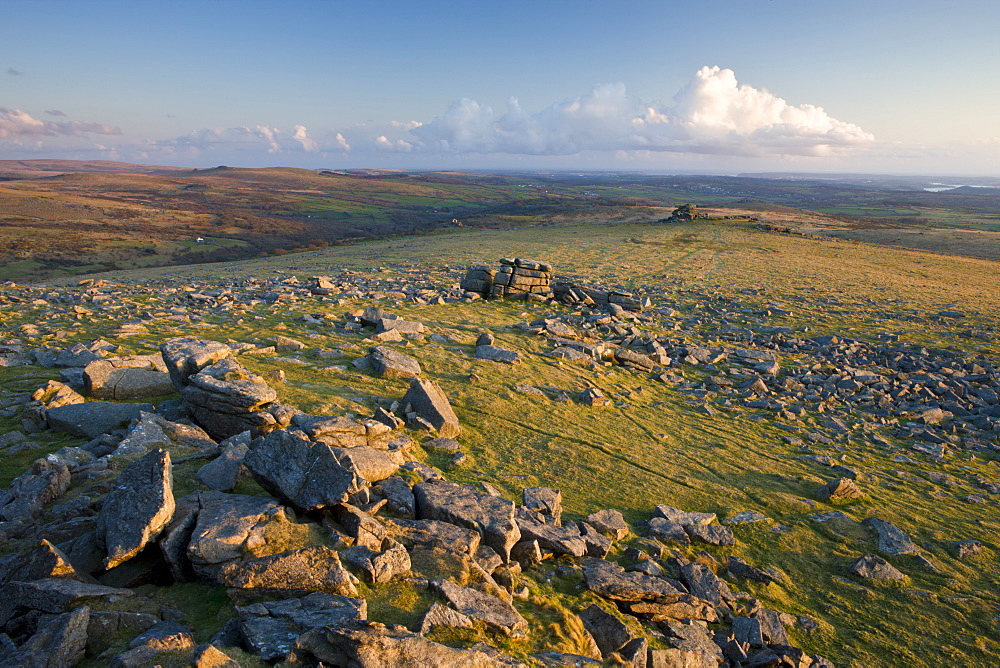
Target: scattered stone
{"x":389,"y":363}
{"x":891,"y":539}
{"x":839,"y":490}
{"x":427,"y":401}
{"x":873,"y":567}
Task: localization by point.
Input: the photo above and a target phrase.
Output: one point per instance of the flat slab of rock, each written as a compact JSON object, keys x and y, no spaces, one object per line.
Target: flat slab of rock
{"x":90,"y":420}
{"x":390,"y":363}
{"x":272,"y":628}
{"x":54,"y":596}
{"x":610,"y":522}
{"x":683,"y":517}
{"x":498,"y":354}
{"x":491,"y":516}
{"x":312,"y":568}
{"x":427,"y":400}
{"x":127,"y":378}
{"x":891,"y":539}
{"x":496,"y":613}
{"x":138,"y":508}
{"x":374,"y":644}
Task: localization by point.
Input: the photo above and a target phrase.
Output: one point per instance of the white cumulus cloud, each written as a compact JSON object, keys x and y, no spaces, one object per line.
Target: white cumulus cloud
{"x":302,"y":137}
{"x":15,"y":123}
{"x":713,"y":114}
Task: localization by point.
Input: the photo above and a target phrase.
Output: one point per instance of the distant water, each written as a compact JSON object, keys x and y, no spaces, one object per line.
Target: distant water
{"x":944,"y":187}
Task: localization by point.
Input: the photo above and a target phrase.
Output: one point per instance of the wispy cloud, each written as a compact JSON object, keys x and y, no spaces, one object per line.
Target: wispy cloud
{"x":55,"y":112}
{"x":713,"y":114}
{"x":14,"y":73}
{"x":15,"y":124}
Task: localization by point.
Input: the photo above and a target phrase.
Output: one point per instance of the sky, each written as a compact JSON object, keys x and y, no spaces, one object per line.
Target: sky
{"x":713,"y":86}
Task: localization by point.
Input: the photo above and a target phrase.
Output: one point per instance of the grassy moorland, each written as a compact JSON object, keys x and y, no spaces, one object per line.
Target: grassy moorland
{"x":656,"y":445}
{"x":64,"y":218}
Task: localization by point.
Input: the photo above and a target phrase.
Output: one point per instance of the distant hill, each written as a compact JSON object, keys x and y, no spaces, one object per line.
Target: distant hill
{"x":25,"y":168}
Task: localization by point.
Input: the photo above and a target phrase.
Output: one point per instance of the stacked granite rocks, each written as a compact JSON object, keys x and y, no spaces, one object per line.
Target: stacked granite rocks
{"x":516,"y":278}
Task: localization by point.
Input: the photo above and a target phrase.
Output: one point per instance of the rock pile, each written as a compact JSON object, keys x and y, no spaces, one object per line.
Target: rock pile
{"x":516,"y":278}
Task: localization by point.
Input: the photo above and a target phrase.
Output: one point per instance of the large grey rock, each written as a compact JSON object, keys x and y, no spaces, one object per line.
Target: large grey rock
{"x":706,"y":585}
{"x":312,"y":568}
{"x":374,"y":645}
{"x":45,"y":560}
{"x":154,"y":431}
{"x":608,"y":631}
{"x":185,"y":356}
{"x":306,"y":474}
{"x":137,"y":509}
{"x":127,"y":378}
{"x":891,"y":539}
{"x":434,"y":534}
{"x":840,"y":489}
{"x":90,"y":420}
{"x":270,"y":629}
{"x":498,"y":354}
{"x":551,"y":538}
{"x":58,"y":642}
{"x":54,"y":596}
{"x":232,"y":527}
{"x":491,"y":516}
{"x":226,"y":399}
{"x":645,"y":595}
{"x":874,"y":567}
{"x":497,"y":614}
{"x":398,"y":495}
{"x":389,"y":363}
{"x":610,"y":522}
{"x":427,"y":400}
{"x":545,"y":501}
{"x":31,"y":491}
{"x":224,"y":472}
{"x":82,"y":354}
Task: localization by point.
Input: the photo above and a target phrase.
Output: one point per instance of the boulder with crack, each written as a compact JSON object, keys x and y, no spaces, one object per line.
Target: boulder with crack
{"x":307,"y":474}
{"x":645,"y":595}
{"x":127,"y":378}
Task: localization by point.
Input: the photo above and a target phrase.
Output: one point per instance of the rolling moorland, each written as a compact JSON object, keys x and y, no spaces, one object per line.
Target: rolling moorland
{"x":64,"y":218}
{"x":765,"y":364}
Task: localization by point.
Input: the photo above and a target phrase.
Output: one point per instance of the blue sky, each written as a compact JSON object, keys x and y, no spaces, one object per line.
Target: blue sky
{"x":723,"y":86}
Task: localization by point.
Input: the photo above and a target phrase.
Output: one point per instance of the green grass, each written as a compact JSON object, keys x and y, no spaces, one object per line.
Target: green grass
{"x":657,"y":447}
